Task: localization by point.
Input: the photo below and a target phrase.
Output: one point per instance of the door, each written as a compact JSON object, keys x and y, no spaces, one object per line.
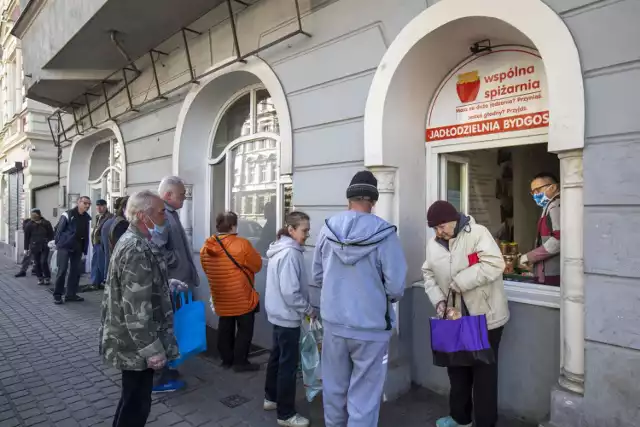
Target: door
{"x":454,"y":181}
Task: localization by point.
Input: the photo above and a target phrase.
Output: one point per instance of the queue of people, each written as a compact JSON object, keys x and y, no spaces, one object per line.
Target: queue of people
{"x":360,"y":268}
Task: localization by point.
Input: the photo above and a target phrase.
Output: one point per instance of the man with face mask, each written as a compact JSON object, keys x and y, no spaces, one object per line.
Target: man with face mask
{"x":464,"y":263}
{"x":545,"y":258}
{"x":136,"y":335}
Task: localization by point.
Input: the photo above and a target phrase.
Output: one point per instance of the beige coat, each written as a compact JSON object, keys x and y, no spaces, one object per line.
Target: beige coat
{"x":481,"y":284}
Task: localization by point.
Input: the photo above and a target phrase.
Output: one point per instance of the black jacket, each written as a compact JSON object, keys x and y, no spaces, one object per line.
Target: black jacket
{"x":37,"y":235}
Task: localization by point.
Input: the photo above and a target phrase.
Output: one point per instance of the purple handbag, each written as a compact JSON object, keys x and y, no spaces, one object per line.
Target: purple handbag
{"x":462,"y":342}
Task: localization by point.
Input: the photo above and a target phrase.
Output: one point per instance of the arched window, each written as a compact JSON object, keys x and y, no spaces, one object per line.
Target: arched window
{"x":105,"y":172}
{"x":245,"y":136}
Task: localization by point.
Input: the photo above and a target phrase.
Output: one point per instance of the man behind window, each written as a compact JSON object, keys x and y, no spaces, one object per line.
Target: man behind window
{"x":545,"y":258}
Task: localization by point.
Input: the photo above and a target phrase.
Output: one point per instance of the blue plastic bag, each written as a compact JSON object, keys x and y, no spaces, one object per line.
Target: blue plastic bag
{"x":310,"y":358}
{"x":189,"y":325}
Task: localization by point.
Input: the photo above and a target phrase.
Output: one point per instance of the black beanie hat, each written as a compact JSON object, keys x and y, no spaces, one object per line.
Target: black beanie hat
{"x":441,"y":212}
{"x":363,"y":184}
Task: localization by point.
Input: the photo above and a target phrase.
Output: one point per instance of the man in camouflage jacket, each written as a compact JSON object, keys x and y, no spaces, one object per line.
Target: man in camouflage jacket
{"x":137,"y":316}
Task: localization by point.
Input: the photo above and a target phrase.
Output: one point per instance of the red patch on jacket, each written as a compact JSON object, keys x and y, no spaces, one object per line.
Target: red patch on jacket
{"x":473,"y":259}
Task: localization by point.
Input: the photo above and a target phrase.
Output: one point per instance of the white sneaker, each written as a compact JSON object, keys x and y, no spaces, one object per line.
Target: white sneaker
{"x":295,"y":421}
{"x":269,"y":405}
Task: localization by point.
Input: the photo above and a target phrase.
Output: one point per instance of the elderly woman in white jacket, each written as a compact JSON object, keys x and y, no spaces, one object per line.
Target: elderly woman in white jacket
{"x":464,"y":258}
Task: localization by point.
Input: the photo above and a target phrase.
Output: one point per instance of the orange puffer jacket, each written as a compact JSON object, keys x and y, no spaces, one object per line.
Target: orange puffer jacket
{"x":231,"y":292}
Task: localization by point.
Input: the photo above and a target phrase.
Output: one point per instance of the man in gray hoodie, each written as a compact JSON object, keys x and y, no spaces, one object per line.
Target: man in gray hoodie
{"x":360,"y":266}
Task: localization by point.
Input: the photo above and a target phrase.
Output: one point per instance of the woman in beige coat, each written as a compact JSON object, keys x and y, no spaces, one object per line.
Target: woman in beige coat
{"x":464,"y":258}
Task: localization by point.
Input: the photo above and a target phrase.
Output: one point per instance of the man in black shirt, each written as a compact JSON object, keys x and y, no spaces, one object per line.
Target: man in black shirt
{"x":72,"y":243}
{"x":37,"y":234}
{"x":26,"y":258}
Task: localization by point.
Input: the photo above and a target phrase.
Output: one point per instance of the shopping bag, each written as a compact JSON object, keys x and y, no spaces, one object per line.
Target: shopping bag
{"x":461,"y":342}
{"x":310,"y":349}
{"x":53,"y":264}
{"x":189,"y":325}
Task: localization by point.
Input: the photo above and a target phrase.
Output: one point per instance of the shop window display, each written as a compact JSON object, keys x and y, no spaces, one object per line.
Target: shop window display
{"x":494,"y":187}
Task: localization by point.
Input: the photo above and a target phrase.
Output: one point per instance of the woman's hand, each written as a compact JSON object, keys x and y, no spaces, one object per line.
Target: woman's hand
{"x":440,"y":309}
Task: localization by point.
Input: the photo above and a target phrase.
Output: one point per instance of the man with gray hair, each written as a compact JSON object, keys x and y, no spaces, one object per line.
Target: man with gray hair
{"x":179,"y":257}
{"x":136,"y":335}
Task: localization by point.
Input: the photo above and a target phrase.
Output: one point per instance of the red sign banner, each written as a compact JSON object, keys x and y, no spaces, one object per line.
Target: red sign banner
{"x":487,"y":127}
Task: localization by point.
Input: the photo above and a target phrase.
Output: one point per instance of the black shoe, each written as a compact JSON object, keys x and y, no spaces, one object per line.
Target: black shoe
{"x":73,"y":298}
{"x":57,"y":299}
{"x":246,"y":367}
{"x":21,"y":274}
{"x":226,"y":365}
{"x":40,"y":282}
{"x":47,"y":282}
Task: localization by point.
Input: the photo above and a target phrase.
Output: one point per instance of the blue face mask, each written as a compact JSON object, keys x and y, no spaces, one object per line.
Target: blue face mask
{"x":541,"y":199}
{"x":157,"y":229}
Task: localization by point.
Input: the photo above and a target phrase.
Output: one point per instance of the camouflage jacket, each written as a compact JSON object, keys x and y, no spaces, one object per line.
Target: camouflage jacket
{"x":137,"y":315}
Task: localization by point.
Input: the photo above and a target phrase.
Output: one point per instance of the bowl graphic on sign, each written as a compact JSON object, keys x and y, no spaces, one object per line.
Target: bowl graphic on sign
{"x":468,"y":86}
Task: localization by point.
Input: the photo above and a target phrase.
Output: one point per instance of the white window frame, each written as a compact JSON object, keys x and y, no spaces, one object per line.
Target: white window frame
{"x":436,"y":152}
{"x":225,"y":156}
{"x":101,"y":181}
{"x":464,"y":179}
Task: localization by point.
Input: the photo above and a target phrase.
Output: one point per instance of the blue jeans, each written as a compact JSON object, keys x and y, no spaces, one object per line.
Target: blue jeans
{"x":280,"y":384}
{"x":97,"y":265}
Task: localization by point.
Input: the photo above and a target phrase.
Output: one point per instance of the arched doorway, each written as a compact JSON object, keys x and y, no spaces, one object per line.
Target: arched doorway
{"x":233,"y":148}
{"x":425,"y":52}
{"x":97,"y":166}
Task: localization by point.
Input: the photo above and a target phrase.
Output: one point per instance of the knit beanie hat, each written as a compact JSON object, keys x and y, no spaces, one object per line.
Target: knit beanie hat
{"x":363,"y":184}
{"x":441,"y":212}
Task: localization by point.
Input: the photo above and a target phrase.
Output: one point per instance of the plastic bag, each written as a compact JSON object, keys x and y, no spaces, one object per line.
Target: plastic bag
{"x":189,"y":322}
{"x":53,"y":264}
{"x":310,"y":350}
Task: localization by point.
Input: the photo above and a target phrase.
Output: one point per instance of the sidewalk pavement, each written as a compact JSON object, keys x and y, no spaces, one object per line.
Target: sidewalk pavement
{"x":51,"y":374}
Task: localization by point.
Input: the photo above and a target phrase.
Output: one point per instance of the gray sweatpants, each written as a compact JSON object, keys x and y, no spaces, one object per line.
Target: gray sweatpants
{"x":353,"y":376}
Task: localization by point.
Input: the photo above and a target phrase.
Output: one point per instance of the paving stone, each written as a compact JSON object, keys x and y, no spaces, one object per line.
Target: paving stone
{"x":11,"y":422}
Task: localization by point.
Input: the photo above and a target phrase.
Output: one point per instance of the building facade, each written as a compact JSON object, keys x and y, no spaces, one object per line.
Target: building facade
{"x":263,"y":105}
{"x":28,"y":159}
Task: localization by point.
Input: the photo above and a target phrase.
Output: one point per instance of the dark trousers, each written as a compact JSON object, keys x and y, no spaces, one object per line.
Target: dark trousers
{"x":135,"y":399}
{"x":280,"y":384}
{"x":474,"y":390}
{"x":26,"y":262}
{"x":41,"y":263}
{"x":233,"y":345}
{"x":68,"y":261}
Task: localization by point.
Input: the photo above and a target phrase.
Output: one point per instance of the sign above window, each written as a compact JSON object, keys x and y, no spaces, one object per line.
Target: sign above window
{"x":495,"y":95}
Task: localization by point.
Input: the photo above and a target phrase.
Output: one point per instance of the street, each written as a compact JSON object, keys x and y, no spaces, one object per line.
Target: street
{"x":51,"y":374}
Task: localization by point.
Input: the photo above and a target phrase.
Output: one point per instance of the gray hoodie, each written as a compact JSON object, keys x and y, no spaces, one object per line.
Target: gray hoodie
{"x":359,"y":264}
{"x":286,"y":296}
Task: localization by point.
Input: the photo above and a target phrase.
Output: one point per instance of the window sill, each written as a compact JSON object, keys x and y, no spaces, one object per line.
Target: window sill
{"x":526,"y":293}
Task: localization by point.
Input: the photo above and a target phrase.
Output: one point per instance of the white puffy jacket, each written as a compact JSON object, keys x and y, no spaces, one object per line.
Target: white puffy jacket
{"x":481,"y":284}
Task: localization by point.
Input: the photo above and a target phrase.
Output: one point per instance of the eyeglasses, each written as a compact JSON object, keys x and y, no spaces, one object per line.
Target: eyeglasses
{"x":539,"y":190}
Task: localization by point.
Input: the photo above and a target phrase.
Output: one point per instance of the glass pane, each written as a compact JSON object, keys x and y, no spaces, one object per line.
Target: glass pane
{"x":287,"y":198}
{"x":267,"y":119}
{"x":454,"y":184}
{"x":253,"y":196}
{"x":217,"y":193}
{"x":235,"y":123}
